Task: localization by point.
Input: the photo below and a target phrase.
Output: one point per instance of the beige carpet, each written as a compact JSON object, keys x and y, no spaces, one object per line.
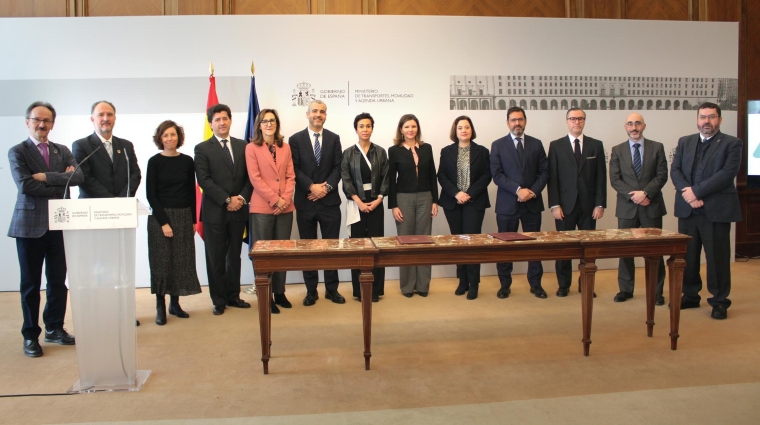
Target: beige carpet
{"x":442,"y":359}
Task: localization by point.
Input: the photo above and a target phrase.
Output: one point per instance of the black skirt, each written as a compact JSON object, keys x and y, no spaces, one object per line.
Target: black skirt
{"x":172,"y":260}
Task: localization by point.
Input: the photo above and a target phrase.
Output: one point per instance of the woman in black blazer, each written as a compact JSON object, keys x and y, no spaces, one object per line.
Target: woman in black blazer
{"x":464,"y":174}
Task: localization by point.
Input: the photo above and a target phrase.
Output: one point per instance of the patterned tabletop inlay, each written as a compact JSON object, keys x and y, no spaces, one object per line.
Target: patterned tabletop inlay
{"x":313,"y":245}
{"x":623,"y":234}
{"x":475,"y":240}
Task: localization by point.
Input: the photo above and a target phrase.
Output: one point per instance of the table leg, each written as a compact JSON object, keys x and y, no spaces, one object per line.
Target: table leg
{"x":676,"y":266}
{"x":264,"y":294}
{"x":588,"y":273}
{"x":651,"y":271}
{"x":365,"y":279}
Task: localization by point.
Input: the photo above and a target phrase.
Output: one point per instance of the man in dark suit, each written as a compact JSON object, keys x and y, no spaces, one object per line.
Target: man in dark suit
{"x":638,"y":171}
{"x":223,"y":176}
{"x":577,"y":185}
{"x":112,"y":171}
{"x":520,"y":170}
{"x":316,"y":160}
{"x":703,"y":172}
{"x":41,"y":169}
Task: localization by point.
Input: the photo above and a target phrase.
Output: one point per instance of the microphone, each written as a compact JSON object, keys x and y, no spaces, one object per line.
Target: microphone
{"x":77,"y":167}
{"x":128,"y":167}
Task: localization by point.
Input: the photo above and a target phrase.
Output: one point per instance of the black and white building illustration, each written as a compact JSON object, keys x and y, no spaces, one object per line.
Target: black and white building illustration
{"x":561,"y":92}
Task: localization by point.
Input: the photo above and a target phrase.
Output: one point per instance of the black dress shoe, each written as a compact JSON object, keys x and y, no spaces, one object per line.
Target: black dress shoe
{"x":335,"y":297}
{"x":538,"y":292}
{"x":689,"y":304}
{"x":719,"y":312}
{"x":562,"y":292}
{"x":273,"y":308}
{"x":238,"y":303}
{"x":461,"y":289}
{"x":175,"y":309}
{"x":59,"y":336}
{"x":282,"y":301}
{"x":310,"y":298}
{"x":472,"y":292}
{"x":422,"y":294}
{"x":137,"y":322}
{"x":32,"y":348}
{"x":375,"y":299}
{"x":218,"y":310}
{"x":659,"y":300}
{"x":504,"y":293}
{"x":160,"y":310}
{"x":409,"y":295}
{"x":622,"y":297}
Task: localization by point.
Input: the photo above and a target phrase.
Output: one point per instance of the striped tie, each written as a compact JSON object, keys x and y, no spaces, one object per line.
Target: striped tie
{"x":317,"y":149}
{"x":637,"y":160}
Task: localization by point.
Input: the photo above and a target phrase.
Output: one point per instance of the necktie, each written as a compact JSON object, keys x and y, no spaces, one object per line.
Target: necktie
{"x":637,"y":160}
{"x":228,"y":154}
{"x":520,"y":150}
{"x":44,"y":151}
{"x":578,"y":152}
{"x":109,"y":148}
{"x":317,"y":149}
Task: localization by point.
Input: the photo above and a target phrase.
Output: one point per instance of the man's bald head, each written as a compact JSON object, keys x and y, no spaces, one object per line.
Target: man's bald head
{"x":634,"y":126}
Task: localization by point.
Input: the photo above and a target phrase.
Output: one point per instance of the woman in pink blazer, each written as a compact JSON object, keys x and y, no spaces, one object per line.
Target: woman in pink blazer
{"x":270,"y":168}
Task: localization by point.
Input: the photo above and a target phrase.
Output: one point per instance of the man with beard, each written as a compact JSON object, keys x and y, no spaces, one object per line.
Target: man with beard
{"x":577,"y":185}
{"x":638,"y":171}
{"x":520,"y":170}
{"x":703,"y":172}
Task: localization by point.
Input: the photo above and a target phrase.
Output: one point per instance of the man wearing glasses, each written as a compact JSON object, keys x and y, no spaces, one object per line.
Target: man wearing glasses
{"x":520,"y":171}
{"x":41,"y":169}
{"x":638,"y":171}
{"x":577,"y":185}
{"x":703,"y":172}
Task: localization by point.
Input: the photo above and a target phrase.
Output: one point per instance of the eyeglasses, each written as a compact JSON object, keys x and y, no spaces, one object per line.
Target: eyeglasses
{"x":267,"y":122}
{"x":634,"y":124}
{"x":39,"y":121}
{"x":576,"y":119}
{"x":707,"y":117}
{"x":516,"y":120}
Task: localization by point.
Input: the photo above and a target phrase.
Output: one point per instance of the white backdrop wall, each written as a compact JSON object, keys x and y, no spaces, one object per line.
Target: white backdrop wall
{"x":155,"y":68}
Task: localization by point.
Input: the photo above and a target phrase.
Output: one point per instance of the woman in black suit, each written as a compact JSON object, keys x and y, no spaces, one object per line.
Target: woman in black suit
{"x":464,"y":174}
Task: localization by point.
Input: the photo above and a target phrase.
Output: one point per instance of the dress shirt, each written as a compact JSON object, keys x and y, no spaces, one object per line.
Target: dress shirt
{"x":229,"y":145}
{"x":633,"y":150}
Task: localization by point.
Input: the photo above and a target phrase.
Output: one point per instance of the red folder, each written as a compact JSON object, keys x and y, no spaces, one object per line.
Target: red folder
{"x":414,"y":239}
{"x":511,"y":236}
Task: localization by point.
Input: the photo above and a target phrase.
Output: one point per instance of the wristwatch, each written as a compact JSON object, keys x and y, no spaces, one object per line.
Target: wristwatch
{"x":228,"y":200}
{"x":328,"y":187}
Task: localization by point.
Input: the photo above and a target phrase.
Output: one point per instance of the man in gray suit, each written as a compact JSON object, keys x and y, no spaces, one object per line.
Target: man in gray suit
{"x":221,"y":171}
{"x":638,"y":171}
{"x":41,"y":169}
{"x":703,"y":171}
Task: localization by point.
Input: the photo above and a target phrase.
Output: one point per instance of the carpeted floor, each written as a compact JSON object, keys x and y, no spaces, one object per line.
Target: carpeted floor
{"x":441,"y":359}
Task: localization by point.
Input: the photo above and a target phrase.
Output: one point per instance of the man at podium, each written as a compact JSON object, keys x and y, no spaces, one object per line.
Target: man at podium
{"x":41,"y":169}
{"x":108,"y":162}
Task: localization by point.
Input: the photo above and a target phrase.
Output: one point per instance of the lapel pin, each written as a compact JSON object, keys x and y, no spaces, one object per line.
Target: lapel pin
{"x":55,"y":151}
{"x":118,"y":151}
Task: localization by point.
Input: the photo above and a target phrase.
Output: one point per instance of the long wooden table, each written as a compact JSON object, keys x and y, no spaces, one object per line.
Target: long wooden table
{"x":365,"y":254}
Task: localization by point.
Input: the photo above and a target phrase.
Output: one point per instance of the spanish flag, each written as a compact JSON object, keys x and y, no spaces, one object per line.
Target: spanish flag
{"x":207,"y":133}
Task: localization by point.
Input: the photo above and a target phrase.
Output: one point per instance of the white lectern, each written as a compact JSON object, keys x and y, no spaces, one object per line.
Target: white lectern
{"x":99,"y":235}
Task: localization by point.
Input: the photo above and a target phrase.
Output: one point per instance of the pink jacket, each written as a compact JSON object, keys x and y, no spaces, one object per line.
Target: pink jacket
{"x":270,"y":181}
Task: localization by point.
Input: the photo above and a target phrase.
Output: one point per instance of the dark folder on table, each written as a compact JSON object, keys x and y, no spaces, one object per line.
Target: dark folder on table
{"x":511,"y":236}
{"x":414,"y":239}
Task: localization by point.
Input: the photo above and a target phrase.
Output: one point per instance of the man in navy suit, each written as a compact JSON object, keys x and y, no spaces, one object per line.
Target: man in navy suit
{"x":577,"y":185}
{"x":220,"y":167}
{"x":41,"y":169}
{"x":703,"y":171}
{"x":316,"y":159}
{"x":520,"y":170}
{"x":112,"y":171}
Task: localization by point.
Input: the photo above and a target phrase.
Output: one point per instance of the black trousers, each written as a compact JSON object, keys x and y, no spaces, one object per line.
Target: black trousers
{"x":328,"y":220}
{"x":223,"y":244}
{"x":575,"y":219}
{"x":32,"y":252}
{"x":465,"y":219}
{"x":531,"y":222}
{"x":716,"y":240}
{"x":369,"y":225}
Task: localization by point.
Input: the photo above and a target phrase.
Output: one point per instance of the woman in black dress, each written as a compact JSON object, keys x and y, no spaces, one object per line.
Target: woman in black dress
{"x":364,"y":170}
{"x":464,"y":174}
{"x":170,"y":189}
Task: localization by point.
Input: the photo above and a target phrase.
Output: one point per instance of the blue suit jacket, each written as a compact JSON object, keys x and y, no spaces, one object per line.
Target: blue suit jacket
{"x":307,"y":170}
{"x":722,"y":161}
{"x":30,"y":217}
{"x":509,"y":174}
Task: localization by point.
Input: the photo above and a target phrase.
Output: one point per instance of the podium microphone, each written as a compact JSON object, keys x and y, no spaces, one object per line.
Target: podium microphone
{"x":77,"y":167}
{"x":128,"y":167}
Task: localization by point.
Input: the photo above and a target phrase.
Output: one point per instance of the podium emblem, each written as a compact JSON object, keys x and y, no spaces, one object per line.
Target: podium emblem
{"x":61,"y":215}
